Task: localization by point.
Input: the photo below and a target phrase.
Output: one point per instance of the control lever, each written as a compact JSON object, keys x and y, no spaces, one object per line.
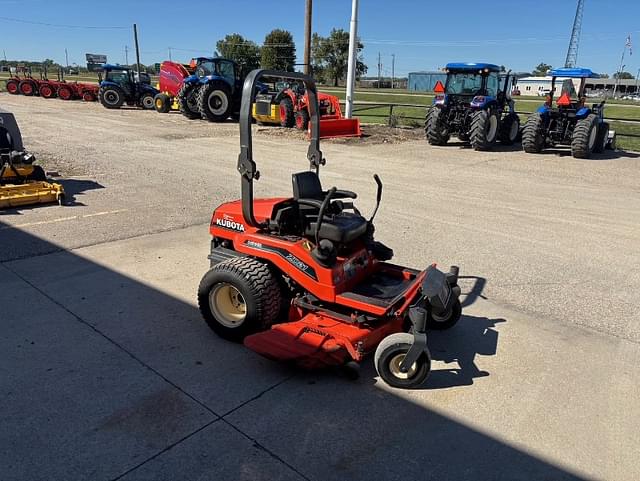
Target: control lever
{"x":378,"y":196}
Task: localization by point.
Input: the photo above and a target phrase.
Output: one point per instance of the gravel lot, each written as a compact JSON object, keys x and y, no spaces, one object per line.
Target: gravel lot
{"x":109,"y":373}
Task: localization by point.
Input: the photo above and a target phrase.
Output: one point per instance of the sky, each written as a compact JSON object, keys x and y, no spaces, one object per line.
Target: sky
{"x":422,"y":34}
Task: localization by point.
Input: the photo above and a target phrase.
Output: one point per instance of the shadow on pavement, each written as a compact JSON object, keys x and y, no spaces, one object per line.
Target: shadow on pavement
{"x":105,"y":377}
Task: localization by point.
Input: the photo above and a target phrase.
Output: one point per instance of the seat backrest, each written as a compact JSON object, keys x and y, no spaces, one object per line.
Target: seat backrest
{"x":306,"y":185}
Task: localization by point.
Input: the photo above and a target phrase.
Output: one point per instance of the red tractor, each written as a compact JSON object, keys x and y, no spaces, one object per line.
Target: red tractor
{"x":300,"y":278}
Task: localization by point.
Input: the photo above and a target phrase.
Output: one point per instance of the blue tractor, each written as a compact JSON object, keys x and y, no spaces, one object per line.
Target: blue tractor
{"x":122,"y":85}
{"x":571,"y":121}
{"x":213,"y":92}
{"x":475,"y":105}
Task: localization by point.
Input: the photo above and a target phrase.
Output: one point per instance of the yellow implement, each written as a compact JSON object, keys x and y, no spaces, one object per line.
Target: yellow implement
{"x":16,"y":195}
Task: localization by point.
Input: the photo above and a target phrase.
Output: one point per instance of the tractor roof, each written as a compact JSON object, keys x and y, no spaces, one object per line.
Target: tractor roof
{"x":472,"y":66}
{"x":572,"y":73}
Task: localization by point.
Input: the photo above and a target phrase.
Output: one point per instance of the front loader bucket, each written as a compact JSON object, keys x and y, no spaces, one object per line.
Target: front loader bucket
{"x":339,"y":128}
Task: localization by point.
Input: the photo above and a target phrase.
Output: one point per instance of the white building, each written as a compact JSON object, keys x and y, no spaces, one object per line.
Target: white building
{"x":542,"y":85}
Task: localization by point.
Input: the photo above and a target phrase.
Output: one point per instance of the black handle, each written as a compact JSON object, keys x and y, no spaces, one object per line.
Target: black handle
{"x":378,"y":196}
{"x":323,"y":207}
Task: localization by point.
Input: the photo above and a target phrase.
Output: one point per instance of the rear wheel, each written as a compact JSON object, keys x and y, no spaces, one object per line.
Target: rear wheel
{"x":603,"y":138}
{"x":484,"y":129}
{"x":65,"y":93}
{"x":286,"y":113}
{"x":585,"y":135}
{"x":435,"y":128}
{"x":147,"y":101}
{"x":389,"y":355}
{"x":88,"y":97}
{"x":214,"y":101}
{"x":12,"y":87}
{"x":27,"y":87}
{"x":239,"y":297}
{"x":111,"y":97}
{"x":302,"y":119}
{"x":46,"y":91}
{"x":509,"y":129}
{"x":38,"y":174}
{"x":162,"y":103}
{"x":187,"y":100}
{"x":533,"y":134}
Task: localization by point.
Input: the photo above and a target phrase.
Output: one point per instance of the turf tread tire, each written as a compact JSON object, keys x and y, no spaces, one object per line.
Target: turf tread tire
{"x":258,"y":285}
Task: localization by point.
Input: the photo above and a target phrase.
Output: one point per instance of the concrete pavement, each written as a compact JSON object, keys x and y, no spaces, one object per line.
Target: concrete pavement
{"x":124,"y":381}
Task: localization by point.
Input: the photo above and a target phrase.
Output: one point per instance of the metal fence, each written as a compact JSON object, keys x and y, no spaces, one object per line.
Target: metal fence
{"x":393,"y":119}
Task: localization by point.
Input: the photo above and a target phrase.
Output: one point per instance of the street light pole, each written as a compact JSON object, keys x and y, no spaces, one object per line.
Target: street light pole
{"x":307,"y":36}
{"x":351,"y":71}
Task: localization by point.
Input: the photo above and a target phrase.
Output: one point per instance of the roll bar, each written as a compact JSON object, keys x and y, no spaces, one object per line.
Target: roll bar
{"x":246,"y":164}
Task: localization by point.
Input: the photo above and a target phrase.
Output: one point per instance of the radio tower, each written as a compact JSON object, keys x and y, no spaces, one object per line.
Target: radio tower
{"x":572,"y":53}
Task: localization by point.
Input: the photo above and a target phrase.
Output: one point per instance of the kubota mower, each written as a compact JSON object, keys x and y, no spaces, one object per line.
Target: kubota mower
{"x":21,"y":182}
{"x":300,"y":278}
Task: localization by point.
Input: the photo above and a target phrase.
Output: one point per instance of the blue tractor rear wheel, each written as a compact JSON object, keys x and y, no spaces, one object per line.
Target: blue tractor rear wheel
{"x":484,"y":129}
{"x":435,"y":128}
{"x":533,"y":134}
{"x":585,"y":136}
{"x":214,"y":101}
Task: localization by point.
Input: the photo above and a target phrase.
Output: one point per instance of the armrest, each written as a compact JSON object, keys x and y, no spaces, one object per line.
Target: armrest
{"x":310,"y":202}
{"x":344,"y":194}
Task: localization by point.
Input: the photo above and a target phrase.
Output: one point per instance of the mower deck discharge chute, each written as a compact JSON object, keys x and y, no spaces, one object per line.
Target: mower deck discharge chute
{"x":301,"y":278}
{"x":21,"y":182}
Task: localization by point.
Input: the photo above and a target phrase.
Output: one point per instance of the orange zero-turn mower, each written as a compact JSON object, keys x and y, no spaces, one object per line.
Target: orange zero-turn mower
{"x":300,"y":278}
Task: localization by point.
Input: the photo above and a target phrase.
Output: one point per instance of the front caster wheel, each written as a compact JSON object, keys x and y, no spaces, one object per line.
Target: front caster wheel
{"x":389,"y":356}
{"x":444,"y":320}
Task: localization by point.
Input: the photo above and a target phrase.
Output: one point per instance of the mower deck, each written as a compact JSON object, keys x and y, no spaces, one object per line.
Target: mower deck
{"x":12,"y":195}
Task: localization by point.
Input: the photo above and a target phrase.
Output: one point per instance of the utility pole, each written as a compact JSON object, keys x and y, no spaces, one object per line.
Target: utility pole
{"x":66,"y":58}
{"x":307,"y":36}
{"x":393,"y":68}
{"x":637,"y":75}
{"x":379,"y":69}
{"x":126,"y":55}
{"x":135,"y":38}
{"x":5,"y":55}
{"x":169,"y":48}
{"x":353,"y":59}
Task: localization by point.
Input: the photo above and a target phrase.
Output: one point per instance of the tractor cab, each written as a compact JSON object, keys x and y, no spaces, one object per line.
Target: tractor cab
{"x":124,"y":77}
{"x":468,"y":80}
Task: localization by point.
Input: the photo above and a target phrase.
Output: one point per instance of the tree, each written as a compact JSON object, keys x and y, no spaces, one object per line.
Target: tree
{"x":541,"y":70}
{"x":278,"y":51}
{"x":623,"y":76}
{"x":330,"y":56}
{"x":244,"y":52}
{"x":603,"y":75}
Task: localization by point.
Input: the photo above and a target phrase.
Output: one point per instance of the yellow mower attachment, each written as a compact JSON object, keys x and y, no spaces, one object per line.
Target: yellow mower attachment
{"x":265,"y":110}
{"x":22,"y":182}
{"x":31,"y":192}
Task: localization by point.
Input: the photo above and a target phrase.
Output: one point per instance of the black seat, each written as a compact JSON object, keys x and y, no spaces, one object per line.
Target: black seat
{"x":339,"y":227}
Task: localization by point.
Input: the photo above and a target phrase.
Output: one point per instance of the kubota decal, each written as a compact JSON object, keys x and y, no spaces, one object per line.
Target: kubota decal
{"x":227,"y":222}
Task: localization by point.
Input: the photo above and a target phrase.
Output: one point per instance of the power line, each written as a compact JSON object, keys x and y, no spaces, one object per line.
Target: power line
{"x":93,"y":27}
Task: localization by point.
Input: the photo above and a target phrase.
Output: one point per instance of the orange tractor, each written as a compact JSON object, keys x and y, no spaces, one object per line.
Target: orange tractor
{"x":288,"y":106}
